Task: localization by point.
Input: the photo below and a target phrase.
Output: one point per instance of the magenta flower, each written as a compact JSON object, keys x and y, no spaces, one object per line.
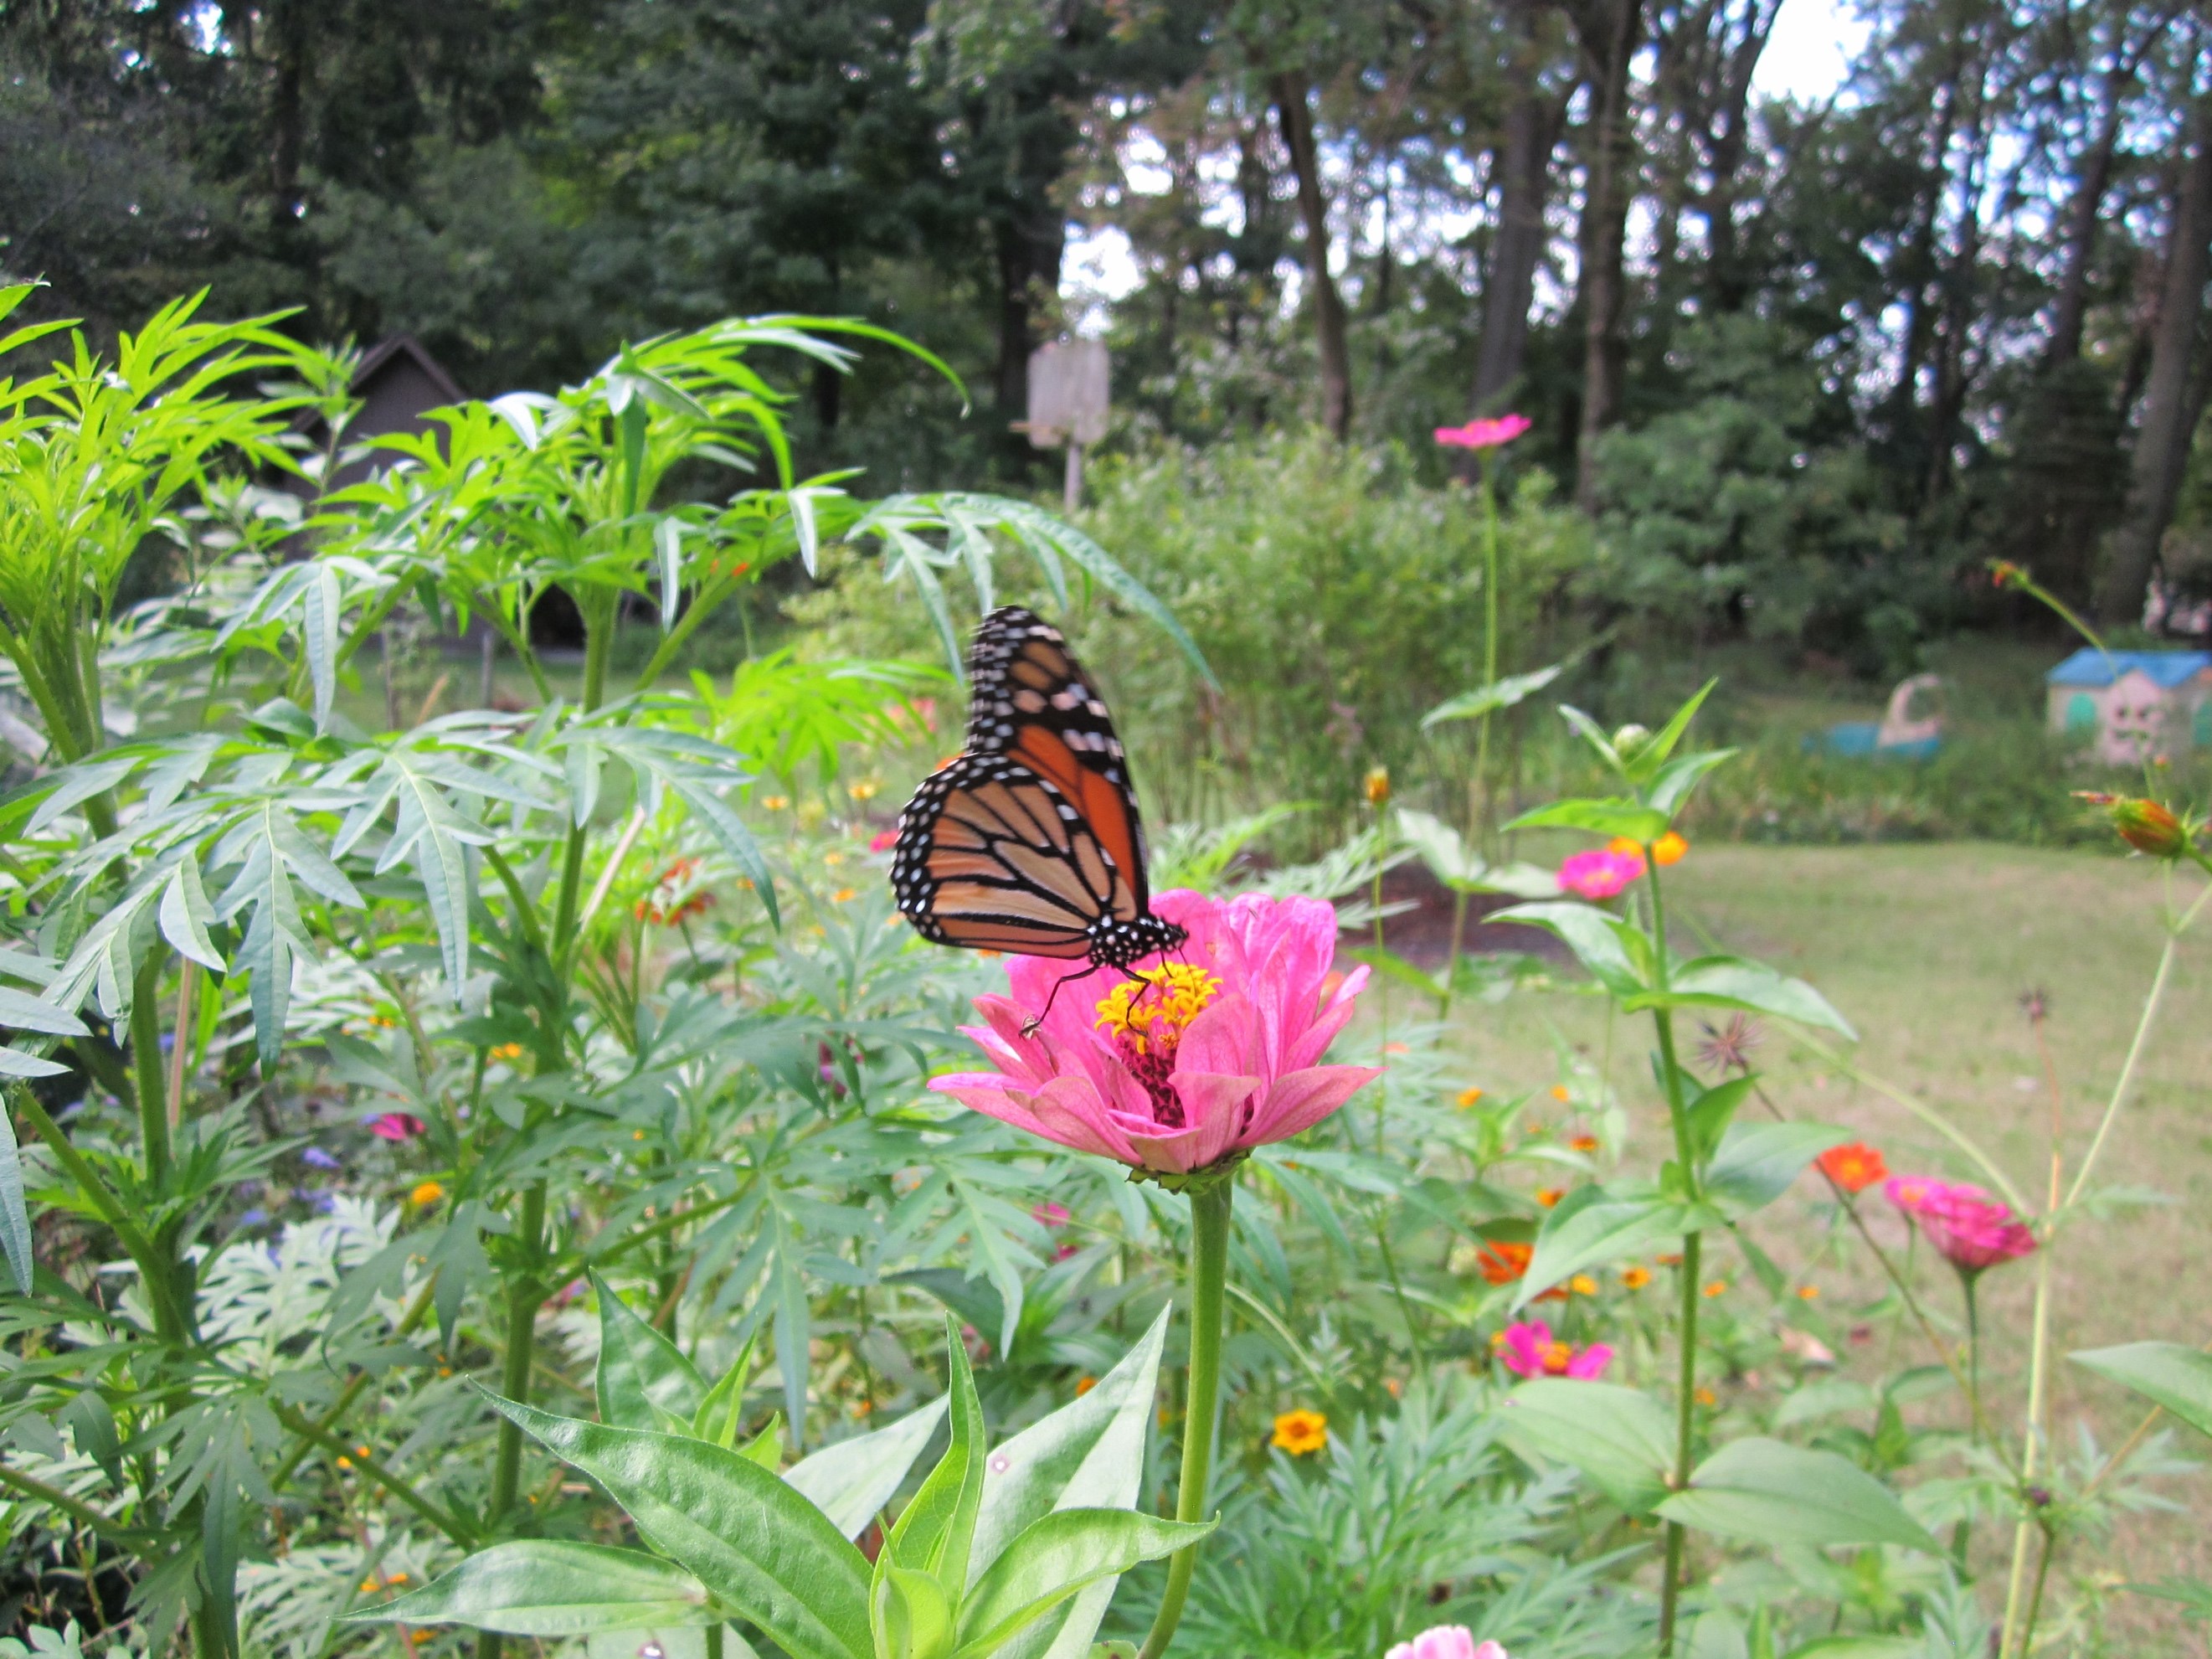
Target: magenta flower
{"x":396,"y":1126}
{"x":1529,"y":1350}
{"x":1599,"y":873}
{"x":1483,"y":434}
{"x":1049,"y":1214}
{"x":1972,"y":1229}
{"x":882,"y":840}
{"x":1446,"y":1642}
{"x":1192,"y":1058}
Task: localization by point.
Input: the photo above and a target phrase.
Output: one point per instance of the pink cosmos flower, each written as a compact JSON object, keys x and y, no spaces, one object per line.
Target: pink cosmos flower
{"x":1529,"y":1350}
{"x":1599,"y":873}
{"x":1973,"y":1230}
{"x":1207,"y":1051}
{"x":1483,"y":434}
{"x":1446,"y":1642}
{"x":396,"y":1126}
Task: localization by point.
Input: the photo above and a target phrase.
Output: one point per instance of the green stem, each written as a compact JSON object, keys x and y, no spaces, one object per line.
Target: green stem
{"x":1209,"y":1276}
{"x":451,"y":1525}
{"x":138,"y":1543}
{"x":2120,"y":1094}
{"x":150,"y":1079}
{"x":1684,"y":1430}
{"x":168,"y":1321}
{"x":1451,"y":951}
{"x":1489,"y":649}
{"x":597,"y":641}
{"x":525,"y":1292}
{"x":2035,"y":1601}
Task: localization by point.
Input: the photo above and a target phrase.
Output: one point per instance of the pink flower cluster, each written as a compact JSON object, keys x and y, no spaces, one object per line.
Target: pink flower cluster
{"x":1529,"y":1351}
{"x":1600,"y":873}
{"x":1483,"y":434}
{"x":1191,"y":1057}
{"x":1973,"y":1230}
{"x":1446,"y":1642}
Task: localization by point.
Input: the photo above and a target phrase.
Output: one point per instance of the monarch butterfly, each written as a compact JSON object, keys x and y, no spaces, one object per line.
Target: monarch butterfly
{"x":1029,"y":840}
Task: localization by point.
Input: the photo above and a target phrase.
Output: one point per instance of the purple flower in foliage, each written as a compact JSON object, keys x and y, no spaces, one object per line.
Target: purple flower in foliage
{"x":316,"y":1158}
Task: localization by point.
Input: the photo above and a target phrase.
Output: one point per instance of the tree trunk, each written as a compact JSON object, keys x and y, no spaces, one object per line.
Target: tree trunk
{"x":1610,"y":32}
{"x":1524,"y":170}
{"x":1030,"y":241}
{"x":2161,"y":450}
{"x":2081,"y":222}
{"x":1297,"y":122}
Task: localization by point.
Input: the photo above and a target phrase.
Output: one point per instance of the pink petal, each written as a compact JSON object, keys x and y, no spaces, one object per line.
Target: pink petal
{"x":1225,"y":1037}
{"x":1068,"y":1111}
{"x":986,"y":1093}
{"x":1329,"y":1020}
{"x":1298,"y":1100}
{"x":1213,"y":1104}
{"x":1589,"y":1365}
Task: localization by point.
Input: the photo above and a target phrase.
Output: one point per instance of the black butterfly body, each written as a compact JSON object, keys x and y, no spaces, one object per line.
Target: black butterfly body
{"x":1029,"y":840}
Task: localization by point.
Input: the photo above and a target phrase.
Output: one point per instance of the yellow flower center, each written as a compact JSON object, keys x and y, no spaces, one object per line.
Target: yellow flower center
{"x":1556,"y":1357}
{"x":1150,"y":1011}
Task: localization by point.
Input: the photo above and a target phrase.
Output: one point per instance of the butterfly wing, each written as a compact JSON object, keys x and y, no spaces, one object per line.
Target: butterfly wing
{"x":991,"y":856}
{"x":1032,"y":702}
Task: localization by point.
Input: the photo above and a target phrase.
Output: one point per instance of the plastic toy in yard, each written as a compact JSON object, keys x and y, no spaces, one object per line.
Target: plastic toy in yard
{"x":1911,"y":728}
{"x":2135,"y":705}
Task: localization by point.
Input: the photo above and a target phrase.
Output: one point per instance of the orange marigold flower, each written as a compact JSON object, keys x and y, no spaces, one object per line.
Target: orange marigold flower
{"x":1855,"y":1166}
{"x":1636,"y":1277}
{"x":1668,"y":849}
{"x":1300,"y":1431}
{"x":1468,"y":1097}
{"x":1671,"y":1259}
{"x":426,"y":1193}
{"x":844,"y":896}
{"x":506,"y":1051}
{"x":776,"y":803}
{"x":1549,"y":1197}
{"x":1584,"y":1144}
{"x":1717,"y":1287}
{"x":673,"y":899}
{"x":1560,"y":1092}
{"x":1582,"y":1285}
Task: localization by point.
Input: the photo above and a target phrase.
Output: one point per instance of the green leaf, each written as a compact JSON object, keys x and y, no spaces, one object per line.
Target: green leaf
{"x":2166,"y":1373}
{"x":913,"y":1615}
{"x":1772,"y":1494}
{"x":1732,"y":982}
{"x":13,"y":1063}
{"x":1863,"y":1647}
{"x":851,"y":1481}
{"x":1757,"y":1162}
{"x":766,"y":1448}
{"x":1056,"y":1558}
{"x":937,"y":1531}
{"x":752,"y":1541}
{"x":1619,"y":1439}
{"x":1644,"y":765}
{"x":1592,"y":1227}
{"x":14,"y":1216}
{"x":185,"y":913}
{"x":1614,"y":952}
{"x":1600,"y":818}
{"x":1090,"y":1453}
{"x":1486,"y":699}
{"x":541,"y":1587}
{"x":20,"y":1013}
{"x":720,"y":1412}
{"x":1712,"y":1112}
{"x":1672,"y":786}
{"x":640,"y":1369}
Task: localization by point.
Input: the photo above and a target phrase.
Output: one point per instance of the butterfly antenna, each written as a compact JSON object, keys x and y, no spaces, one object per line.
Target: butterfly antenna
{"x":1030,"y":1026}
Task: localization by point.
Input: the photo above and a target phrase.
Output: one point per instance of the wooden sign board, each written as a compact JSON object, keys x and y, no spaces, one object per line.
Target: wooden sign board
{"x":1068,"y":397}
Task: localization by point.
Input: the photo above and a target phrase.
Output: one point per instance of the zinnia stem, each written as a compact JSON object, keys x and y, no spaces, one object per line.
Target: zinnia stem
{"x":1489,"y":645}
{"x":1678,"y":1113}
{"x":1209,"y":1279}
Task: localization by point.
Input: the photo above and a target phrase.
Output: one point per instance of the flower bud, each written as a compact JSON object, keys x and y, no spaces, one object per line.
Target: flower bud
{"x":2144,"y":824}
{"x":1378,"y":787}
{"x":1629,"y":741}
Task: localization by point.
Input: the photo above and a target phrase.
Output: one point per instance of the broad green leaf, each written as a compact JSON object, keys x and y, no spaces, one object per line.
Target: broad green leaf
{"x":1442,"y":847}
{"x":724,"y":1407}
{"x":913,"y":1615}
{"x":184,"y":915}
{"x":1757,"y":1162}
{"x":541,"y":1587}
{"x":851,"y":1481}
{"x":1621,"y":1439}
{"x":1486,"y":699}
{"x":766,"y":1448}
{"x":1593,"y":1227}
{"x":1612,"y":949}
{"x":755,"y":1543}
{"x":1644,"y":765}
{"x":1672,"y":785}
{"x":2177,"y":1378}
{"x":1600,"y":818}
{"x":1828,"y":1397}
{"x":20,"y":1013}
{"x":937,"y":1531}
{"x":1055,"y":1558}
{"x":1732,"y":982}
{"x":640,"y":1369}
{"x":1712,"y":1112}
{"x":1773,"y":1493}
{"x":1090,"y":1453}
{"x":15,"y":1215}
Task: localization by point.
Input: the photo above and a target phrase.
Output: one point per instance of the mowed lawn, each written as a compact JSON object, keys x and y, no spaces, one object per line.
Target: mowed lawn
{"x":1928,"y":951}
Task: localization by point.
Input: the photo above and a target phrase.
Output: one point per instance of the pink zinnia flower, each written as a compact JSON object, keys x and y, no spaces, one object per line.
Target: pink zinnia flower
{"x":1529,"y":1350}
{"x":1483,"y":434}
{"x":1192,"y":1057}
{"x":1049,"y":1214}
{"x":882,"y":840}
{"x":1599,"y":873}
{"x":1446,"y":1642}
{"x":1973,"y":1230}
{"x":396,"y":1126}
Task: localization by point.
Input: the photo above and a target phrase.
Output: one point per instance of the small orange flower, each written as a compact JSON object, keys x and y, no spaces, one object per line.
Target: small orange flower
{"x":506,"y":1051}
{"x":1672,"y":1259}
{"x":1582,"y":1285}
{"x":1808,"y":1292}
{"x":1559,"y":1093}
{"x":673,"y":899}
{"x":1854,"y":1166}
{"x":1502,"y":1261}
{"x":843,"y":896}
{"x":1378,"y":786}
{"x":1083,"y":1385}
{"x":1718,"y":1287}
{"x":1468,"y":1097}
{"x":1549,"y":1197}
{"x":1301,"y":1432}
{"x":863,"y":788}
{"x":1707,"y":1397}
{"x":1668,"y":849}
{"x":776,"y":803}
{"x":1396,"y":1048}
{"x":1584,"y":1144}
{"x":1636,"y":1277}
{"x":426,"y":1193}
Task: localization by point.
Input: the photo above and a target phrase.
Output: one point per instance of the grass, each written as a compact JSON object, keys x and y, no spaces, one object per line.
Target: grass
{"x":1927,"y":949}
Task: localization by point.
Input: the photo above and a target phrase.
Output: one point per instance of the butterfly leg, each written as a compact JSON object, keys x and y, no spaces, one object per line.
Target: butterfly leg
{"x":1030,"y":1026}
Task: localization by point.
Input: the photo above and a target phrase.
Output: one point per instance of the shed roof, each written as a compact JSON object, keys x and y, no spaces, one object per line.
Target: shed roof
{"x":2166,"y":669}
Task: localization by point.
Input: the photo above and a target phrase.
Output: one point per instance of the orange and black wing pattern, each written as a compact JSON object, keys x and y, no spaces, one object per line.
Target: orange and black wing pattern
{"x":1031,"y":840}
